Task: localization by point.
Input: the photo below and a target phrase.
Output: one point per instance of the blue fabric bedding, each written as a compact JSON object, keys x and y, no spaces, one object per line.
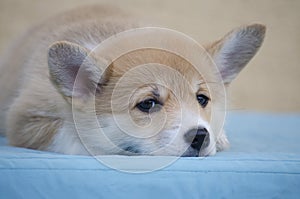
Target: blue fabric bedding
{"x":263,"y":162}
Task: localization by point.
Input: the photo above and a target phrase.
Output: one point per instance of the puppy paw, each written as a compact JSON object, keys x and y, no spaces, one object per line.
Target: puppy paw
{"x":222,"y":142}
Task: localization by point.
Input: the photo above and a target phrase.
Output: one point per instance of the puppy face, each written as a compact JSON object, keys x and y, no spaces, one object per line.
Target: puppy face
{"x":151,"y":101}
{"x":154,"y":102}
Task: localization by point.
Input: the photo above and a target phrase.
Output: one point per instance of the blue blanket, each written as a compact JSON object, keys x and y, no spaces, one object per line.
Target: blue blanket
{"x":263,"y":162}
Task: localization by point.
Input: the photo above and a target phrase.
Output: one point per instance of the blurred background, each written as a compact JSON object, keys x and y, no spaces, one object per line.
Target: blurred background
{"x":270,"y":82}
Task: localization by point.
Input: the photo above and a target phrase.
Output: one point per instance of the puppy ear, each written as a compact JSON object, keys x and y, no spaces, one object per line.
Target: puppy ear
{"x":236,"y":49}
{"x":69,"y":62}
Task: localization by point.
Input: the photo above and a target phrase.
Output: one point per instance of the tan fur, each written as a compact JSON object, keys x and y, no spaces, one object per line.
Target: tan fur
{"x":35,"y":95}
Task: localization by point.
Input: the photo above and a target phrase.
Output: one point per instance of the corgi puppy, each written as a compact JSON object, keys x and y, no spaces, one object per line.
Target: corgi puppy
{"x":146,"y":102}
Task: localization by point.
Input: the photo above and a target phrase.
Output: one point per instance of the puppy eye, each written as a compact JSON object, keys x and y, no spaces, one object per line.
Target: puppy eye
{"x":149,"y":105}
{"x":203,"y":100}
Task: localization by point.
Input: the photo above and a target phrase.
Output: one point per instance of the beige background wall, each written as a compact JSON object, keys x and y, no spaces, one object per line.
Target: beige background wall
{"x":271,"y":82}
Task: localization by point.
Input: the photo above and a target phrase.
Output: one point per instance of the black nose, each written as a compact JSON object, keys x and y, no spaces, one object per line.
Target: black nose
{"x":199,"y":138}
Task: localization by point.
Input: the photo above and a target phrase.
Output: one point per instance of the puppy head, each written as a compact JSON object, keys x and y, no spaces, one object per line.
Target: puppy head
{"x":151,"y":101}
